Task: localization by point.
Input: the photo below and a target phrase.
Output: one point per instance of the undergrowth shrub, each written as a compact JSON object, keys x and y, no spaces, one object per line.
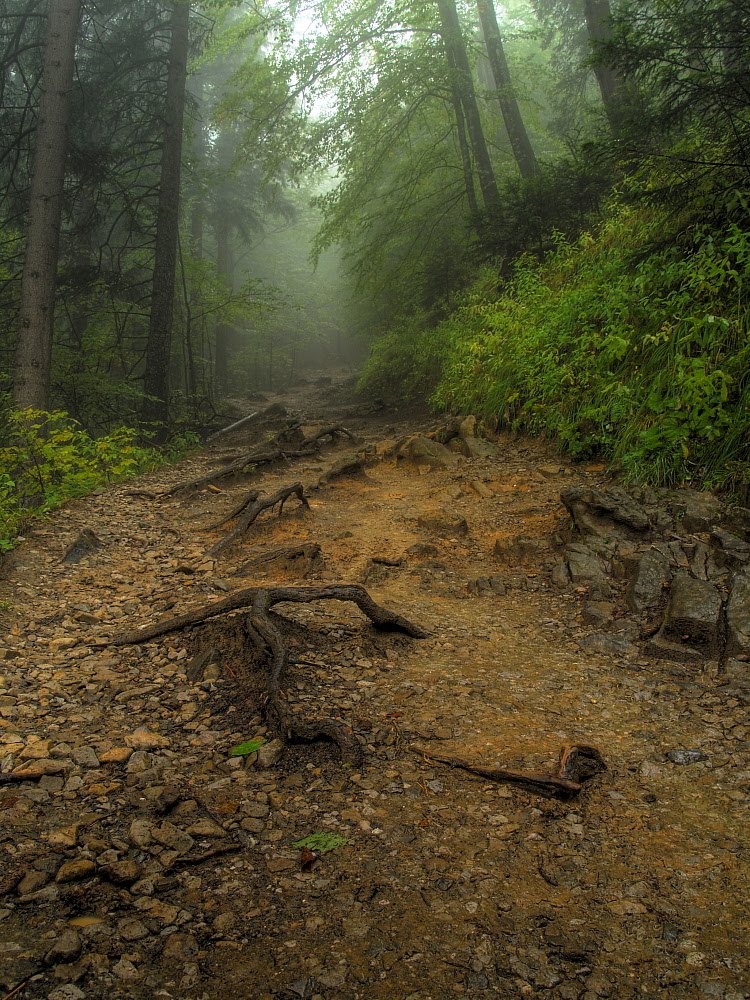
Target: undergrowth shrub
{"x":640,"y":356}
{"x":47,"y":459}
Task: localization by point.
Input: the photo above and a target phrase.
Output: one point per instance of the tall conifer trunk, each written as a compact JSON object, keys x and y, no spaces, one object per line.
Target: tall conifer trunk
{"x":611,"y":84}
{"x":519,"y":138}
{"x":456,"y":54}
{"x":37,"y":314}
{"x":158,"y":348}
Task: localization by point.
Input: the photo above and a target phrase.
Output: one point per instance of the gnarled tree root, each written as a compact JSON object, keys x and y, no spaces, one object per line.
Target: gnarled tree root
{"x":576,"y":765}
{"x":252,"y":506}
{"x":282,"y":447}
{"x":268,"y":640}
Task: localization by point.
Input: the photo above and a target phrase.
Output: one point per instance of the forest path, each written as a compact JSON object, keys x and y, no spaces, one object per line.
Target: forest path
{"x":447,"y":885}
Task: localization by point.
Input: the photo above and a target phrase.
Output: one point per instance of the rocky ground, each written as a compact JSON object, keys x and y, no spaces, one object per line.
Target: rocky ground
{"x":142,"y":859}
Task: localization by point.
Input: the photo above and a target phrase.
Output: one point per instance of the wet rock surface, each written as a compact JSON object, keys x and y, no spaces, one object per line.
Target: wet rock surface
{"x":149,"y":860}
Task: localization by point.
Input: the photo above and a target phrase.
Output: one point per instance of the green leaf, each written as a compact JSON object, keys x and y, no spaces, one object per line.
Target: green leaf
{"x":243,"y":749}
{"x":322,"y":842}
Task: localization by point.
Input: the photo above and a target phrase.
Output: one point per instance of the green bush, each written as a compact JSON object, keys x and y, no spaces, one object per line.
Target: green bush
{"x":47,"y":459}
{"x":635,"y":354}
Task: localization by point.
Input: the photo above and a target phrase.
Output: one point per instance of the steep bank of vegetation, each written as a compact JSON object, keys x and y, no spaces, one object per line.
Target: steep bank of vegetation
{"x":629,"y":342}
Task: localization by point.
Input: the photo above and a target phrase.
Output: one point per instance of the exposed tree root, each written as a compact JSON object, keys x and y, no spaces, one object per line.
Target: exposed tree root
{"x":267,"y":638}
{"x":251,"y":507}
{"x":296,"y":557}
{"x":577,"y":763}
{"x":286,"y":444}
{"x":264,"y":598}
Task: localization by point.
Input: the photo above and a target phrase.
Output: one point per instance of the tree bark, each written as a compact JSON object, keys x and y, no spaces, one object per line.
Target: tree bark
{"x":611,"y":84}
{"x":34,"y":348}
{"x":225,"y":267}
{"x":456,"y":54}
{"x":158,"y":349}
{"x":463,"y":142}
{"x":519,"y":138}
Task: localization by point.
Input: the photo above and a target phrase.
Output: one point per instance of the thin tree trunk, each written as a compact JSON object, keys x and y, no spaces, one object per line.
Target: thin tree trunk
{"x":37,"y":314}
{"x":519,"y":138}
{"x":611,"y":84}
{"x":463,"y":142}
{"x":225,"y":267}
{"x":454,"y":42}
{"x":158,"y":349}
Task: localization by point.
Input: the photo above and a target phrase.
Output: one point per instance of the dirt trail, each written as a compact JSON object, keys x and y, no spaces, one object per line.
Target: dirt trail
{"x":149,"y":862}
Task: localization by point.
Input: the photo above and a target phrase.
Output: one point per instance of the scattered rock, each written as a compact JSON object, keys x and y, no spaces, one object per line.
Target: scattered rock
{"x":270,"y":753}
{"x":86,"y":543}
{"x":424,"y":451}
{"x":75,"y":871}
{"x":686,"y":756}
{"x":144,"y":739}
{"x":66,"y":948}
{"x":444,"y":523}
{"x":604,"y":513}
{"x":738,"y":617}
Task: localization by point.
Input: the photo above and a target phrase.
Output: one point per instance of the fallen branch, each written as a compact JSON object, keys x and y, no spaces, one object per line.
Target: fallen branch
{"x":576,"y":765}
{"x":252,"y":506}
{"x":198,"y":859}
{"x":268,"y":641}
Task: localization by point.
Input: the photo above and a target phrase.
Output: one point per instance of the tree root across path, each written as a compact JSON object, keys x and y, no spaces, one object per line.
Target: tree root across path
{"x":269,"y":641}
{"x":576,"y":765}
{"x":251,"y":507}
{"x":290,"y":442}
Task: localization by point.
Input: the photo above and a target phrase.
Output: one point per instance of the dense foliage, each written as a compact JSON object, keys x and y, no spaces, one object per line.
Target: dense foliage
{"x":47,"y":459}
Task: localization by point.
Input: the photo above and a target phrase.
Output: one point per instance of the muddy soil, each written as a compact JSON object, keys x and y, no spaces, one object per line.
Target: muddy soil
{"x":150,"y":862}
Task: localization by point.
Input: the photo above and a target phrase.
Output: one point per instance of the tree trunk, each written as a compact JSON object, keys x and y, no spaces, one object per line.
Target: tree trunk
{"x":454,"y":43}
{"x":611,"y":84}
{"x":158,"y":349}
{"x":34,"y":349}
{"x":519,"y":138}
{"x":463,"y":142}
{"x":225,"y":267}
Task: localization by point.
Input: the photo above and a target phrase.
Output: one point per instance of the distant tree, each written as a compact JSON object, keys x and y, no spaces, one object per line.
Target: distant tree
{"x":514,"y":124}
{"x":158,"y":348}
{"x":612,"y":85}
{"x":37,"y":313}
{"x":458,"y":62}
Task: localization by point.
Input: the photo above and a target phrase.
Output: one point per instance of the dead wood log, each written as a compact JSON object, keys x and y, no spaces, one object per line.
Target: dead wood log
{"x":253,"y":506}
{"x":268,"y":640}
{"x":232,"y":427}
{"x":577,"y":764}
